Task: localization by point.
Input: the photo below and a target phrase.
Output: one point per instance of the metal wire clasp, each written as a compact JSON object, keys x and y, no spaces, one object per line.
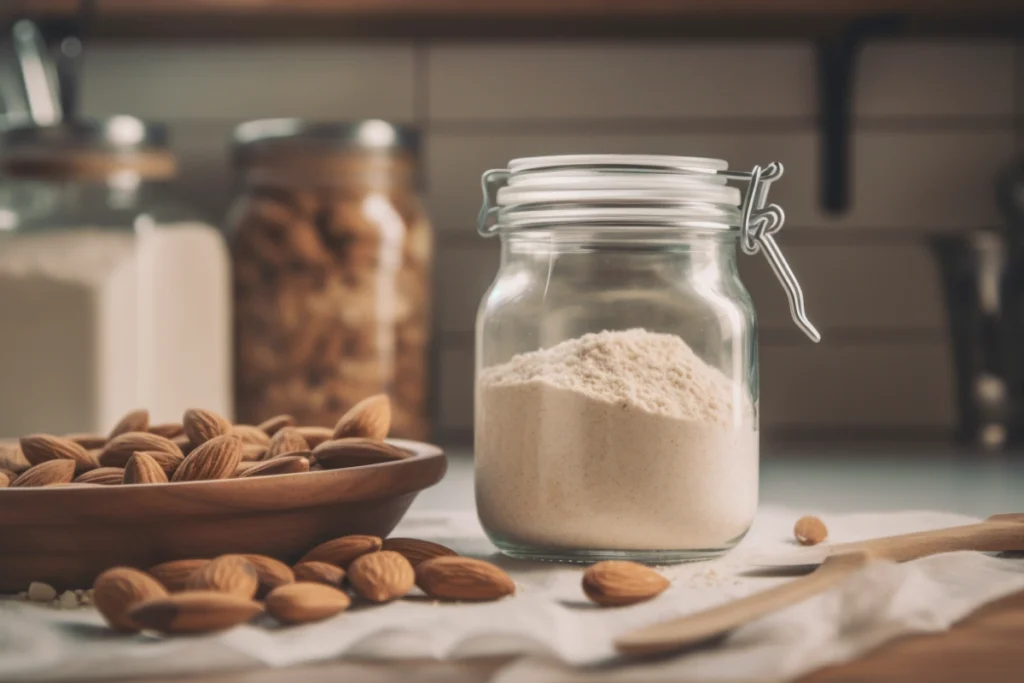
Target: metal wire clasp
{"x":758,"y":224}
{"x":487,"y":219}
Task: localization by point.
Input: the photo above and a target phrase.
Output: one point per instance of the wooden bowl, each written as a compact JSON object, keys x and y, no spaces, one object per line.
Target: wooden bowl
{"x":66,"y":536}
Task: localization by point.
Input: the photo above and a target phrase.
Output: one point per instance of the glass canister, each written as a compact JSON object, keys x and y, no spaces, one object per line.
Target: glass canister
{"x":332,"y":253}
{"x":115,"y":294}
{"x":617,"y":377}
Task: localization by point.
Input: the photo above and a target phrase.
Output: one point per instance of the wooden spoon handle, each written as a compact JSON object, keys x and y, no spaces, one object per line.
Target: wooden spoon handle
{"x":679,"y":633}
{"x":989,"y":536}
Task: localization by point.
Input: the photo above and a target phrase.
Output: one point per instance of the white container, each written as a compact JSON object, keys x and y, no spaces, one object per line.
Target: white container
{"x":111,"y":296}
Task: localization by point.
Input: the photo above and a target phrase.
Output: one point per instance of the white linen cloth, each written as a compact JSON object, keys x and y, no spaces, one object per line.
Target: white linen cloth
{"x":549,"y":630}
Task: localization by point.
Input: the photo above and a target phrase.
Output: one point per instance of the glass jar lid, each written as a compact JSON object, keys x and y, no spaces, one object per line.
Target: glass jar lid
{"x":614,"y":191}
{"x":268,"y":137}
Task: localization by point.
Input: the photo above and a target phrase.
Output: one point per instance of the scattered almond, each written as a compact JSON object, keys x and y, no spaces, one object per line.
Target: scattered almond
{"x":143,"y":468}
{"x":194,"y":612}
{"x":168,"y":430}
{"x":214,"y":459}
{"x":285,"y":464}
{"x":270,"y":573}
{"x":463,"y":578}
{"x":319,"y":572}
{"x":121,"y":447}
{"x":104,"y":476}
{"x":117,"y":590}
{"x":301,"y":602}
{"x":381,"y":576}
{"x":203,"y":425}
{"x":614,"y":583}
{"x":251,"y":435}
{"x":353,"y":452}
{"x":275,"y":424}
{"x":46,"y":473}
{"x":168,"y":462}
{"x":315,"y":436}
{"x":341,"y":551}
{"x":370,"y":418}
{"x":227,"y":574}
{"x":287,"y":440}
{"x":42,"y":447}
{"x":174,"y":575}
{"x":87,"y":441}
{"x":810,"y":530}
{"x":417,"y":551}
{"x":135,"y":421}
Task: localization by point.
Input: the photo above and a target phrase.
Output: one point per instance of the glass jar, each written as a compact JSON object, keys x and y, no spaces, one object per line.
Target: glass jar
{"x":114,"y":294}
{"x":332,"y":253}
{"x":617,"y":380}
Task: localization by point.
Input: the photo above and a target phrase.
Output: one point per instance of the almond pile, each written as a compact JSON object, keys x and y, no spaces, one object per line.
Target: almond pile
{"x":203,"y":446}
{"x":203,"y":595}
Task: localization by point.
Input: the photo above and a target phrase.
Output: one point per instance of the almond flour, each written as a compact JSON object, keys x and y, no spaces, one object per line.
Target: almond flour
{"x":623,"y":440}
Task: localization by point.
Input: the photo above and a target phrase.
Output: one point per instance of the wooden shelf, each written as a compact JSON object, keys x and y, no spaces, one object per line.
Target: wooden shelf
{"x":244,"y":19}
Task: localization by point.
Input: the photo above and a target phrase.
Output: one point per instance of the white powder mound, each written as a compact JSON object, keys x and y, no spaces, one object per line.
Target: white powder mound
{"x":616,"y":441}
{"x":658,"y":373}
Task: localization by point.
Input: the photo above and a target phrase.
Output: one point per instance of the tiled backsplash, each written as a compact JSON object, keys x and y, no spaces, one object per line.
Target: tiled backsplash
{"x":933,"y":123}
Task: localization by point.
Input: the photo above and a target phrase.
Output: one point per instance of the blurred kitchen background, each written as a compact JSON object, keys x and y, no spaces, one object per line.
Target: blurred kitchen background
{"x":921,"y":104}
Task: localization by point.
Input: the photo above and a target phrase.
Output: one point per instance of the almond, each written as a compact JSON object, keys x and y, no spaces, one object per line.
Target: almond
{"x":227,"y":574}
{"x":5,"y":478}
{"x":87,"y":441}
{"x":286,"y":441}
{"x":370,"y":419}
{"x":117,"y":590}
{"x":245,"y":466}
{"x":298,"y":603}
{"x":168,"y":430}
{"x":319,"y":572}
{"x":463,"y":578}
{"x":341,"y":551}
{"x":251,"y":435}
{"x":46,"y":474}
{"x":121,"y":447}
{"x":144,"y":469}
{"x":215,"y":459}
{"x":417,"y":551}
{"x":381,"y":576}
{"x":252,"y":452}
{"x":11,"y":458}
{"x":104,"y":476}
{"x":615,"y":582}
{"x":353,"y":452}
{"x":42,"y":447}
{"x":275,"y":424}
{"x":174,"y":575}
{"x":194,"y":612}
{"x":810,"y":530}
{"x":168,"y":462}
{"x":286,"y":464}
{"x":135,"y":421}
{"x":270,"y":573}
{"x":183,"y":444}
{"x":315,"y":436}
{"x":203,"y":425}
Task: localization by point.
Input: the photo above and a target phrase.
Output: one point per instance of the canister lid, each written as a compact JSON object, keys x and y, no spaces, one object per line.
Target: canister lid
{"x":373,"y":135}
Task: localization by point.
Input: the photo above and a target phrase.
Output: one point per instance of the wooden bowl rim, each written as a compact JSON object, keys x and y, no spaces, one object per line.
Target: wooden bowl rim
{"x":423,"y":455}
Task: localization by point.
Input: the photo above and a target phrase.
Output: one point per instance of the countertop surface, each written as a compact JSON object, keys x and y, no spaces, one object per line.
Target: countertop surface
{"x":985,"y":647}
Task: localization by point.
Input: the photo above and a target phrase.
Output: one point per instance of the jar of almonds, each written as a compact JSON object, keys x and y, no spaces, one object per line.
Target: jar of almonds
{"x":332,"y":253}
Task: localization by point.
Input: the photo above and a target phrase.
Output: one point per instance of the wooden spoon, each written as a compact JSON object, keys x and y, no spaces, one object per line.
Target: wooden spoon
{"x":997,"y":533}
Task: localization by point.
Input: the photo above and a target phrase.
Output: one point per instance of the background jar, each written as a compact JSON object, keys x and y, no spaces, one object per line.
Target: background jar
{"x":115,"y":294}
{"x":629,"y":262}
{"x":332,"y":253}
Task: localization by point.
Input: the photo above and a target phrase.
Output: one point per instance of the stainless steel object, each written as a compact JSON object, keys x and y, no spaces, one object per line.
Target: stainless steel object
{"x":38,"y":74}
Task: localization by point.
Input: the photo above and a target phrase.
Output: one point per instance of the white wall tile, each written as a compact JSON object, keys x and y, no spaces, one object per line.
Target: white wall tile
{"x":238,"y":82}
{"x":934,"y":79}
{"x":876,"y":386}
{"x":926,"y":180}
{"x":602,"y":81}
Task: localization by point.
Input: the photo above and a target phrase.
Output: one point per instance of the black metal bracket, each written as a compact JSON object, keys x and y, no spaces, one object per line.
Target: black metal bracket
{"x":837,"y":61}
